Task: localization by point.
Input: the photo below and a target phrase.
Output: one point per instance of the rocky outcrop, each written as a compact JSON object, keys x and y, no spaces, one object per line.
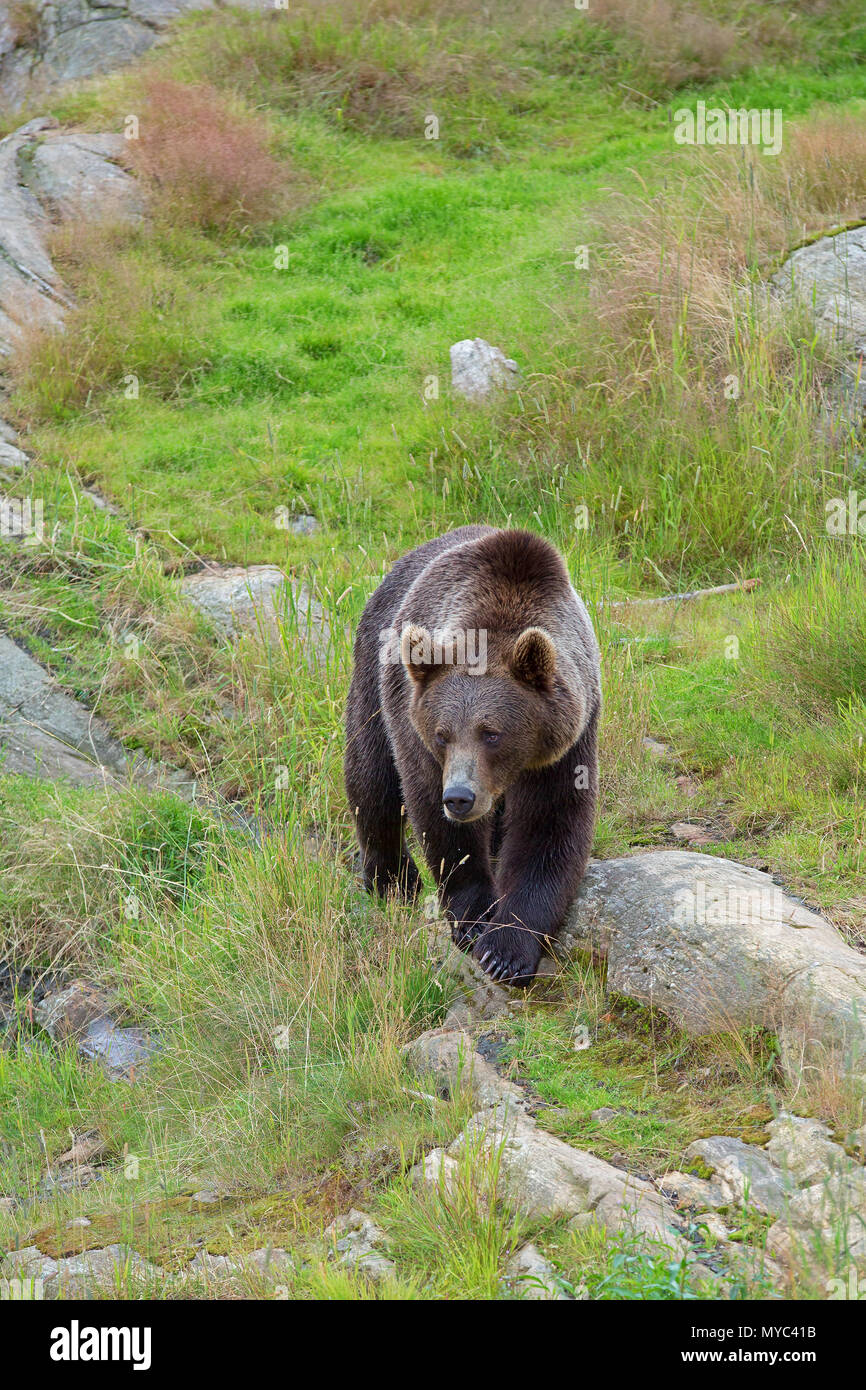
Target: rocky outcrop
{"x":538,"y":1174}
{"x":45,"y":43}
{"x":111,"y":1268}
{"x":744,"y":1173}
{"x":77,"y":175}
{"x":717,"y":946}
{"x":46,"y":733}
{"x":47,"y":174}
{"x":30,"y":289}
{"x":829,"y":277}
{"x":529,"y":1275}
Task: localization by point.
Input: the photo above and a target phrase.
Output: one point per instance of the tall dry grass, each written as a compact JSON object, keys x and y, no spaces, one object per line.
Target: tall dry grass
{"x":672,"y":43}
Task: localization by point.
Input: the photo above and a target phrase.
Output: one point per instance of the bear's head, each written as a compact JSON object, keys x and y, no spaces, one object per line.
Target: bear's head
{"x":488,"y":722}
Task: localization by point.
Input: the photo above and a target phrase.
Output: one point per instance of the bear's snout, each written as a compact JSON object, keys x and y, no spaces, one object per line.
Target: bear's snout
{"x":458,"y":801}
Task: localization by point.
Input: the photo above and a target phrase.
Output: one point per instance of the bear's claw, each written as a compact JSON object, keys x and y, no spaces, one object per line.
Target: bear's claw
{"x":511,"y":957}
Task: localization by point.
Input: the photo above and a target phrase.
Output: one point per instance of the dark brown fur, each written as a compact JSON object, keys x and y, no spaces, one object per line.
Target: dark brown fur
{"x":519,"y":741}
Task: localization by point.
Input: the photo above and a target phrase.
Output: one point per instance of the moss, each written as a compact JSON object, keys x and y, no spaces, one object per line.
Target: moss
{"x":699,"y":1169}
{"x":168,"y":1232}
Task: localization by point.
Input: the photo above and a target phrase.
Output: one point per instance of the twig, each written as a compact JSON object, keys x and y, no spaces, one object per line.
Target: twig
{"x":745,"y":586}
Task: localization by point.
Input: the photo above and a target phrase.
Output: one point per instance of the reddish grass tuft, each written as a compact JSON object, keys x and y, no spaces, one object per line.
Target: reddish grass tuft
{"x":208,"y":164}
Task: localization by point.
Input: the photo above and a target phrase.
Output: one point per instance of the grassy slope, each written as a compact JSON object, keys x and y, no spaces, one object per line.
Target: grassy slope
{"x":304,"y":387}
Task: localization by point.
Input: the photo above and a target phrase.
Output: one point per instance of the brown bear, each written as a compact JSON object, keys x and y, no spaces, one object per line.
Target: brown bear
{"x":474,"y":710}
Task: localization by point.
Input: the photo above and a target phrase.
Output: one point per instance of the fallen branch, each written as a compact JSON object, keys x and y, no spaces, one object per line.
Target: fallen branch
{"x":743,"y":586}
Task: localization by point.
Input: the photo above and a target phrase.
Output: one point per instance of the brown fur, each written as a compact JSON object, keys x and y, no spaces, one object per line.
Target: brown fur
{"x":497,"y":770}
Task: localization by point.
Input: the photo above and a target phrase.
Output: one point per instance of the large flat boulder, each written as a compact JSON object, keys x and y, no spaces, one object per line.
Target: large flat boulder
{"x":541,"y":1176}
{"x":46,"y":733}
{"x":717,"y":946}
{"x":829,"y":277}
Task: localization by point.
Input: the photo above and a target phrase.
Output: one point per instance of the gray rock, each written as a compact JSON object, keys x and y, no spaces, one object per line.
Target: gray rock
{"x":30,"y":289}
{"x":79,"y":1276}
{"x":110,"y":1268}
{"x":271,"y":1262}
{"x":803,"y":1149}
{"x":123,"y":1052}
{"x":604,"y":1115}
{"x":75,"y":176}
{"x":857,"y":1140}
{"x":81,"y":1012}
{"x":257,"y":599}
{"x":480,"y":371}
{"x":437,"y":1170}
{"x":73,"y":1179}
{"x":690,"y":1190}
{"x":717,"y":946}
{"x":46,"y":173}
{"x":714,"y":1224}
{"x":29,"y":1263}
{"x":744,"y":1173}
{"x":93,"y":48}
{"x":829,"y":276}
{"x":541,"y":1176}
{"x":267,"y":1263}
{"x":824,"y":1225}
{"x":356,"y":1243}
{"x":529,"y":1275}
{"x":302,"y":525}
{"x":214,"y":1266}
{"x":13,"y":461}
{"x":46,"y":733}
{"x":73,"y":39}
{"x":451,"y":1058}
{"x":66,"y":1013}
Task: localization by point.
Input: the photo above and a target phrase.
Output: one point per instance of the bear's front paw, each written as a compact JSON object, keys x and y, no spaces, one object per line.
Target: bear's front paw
{"x":509,"y":954}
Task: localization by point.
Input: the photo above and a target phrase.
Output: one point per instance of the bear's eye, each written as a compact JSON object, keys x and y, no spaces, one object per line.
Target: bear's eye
{"x":441,"y":738}
{"x":490,"y":738}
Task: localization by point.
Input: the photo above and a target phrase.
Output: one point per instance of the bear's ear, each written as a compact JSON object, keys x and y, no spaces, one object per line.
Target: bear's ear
{"x":416,"y":652}
{"x":533,"y":660}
